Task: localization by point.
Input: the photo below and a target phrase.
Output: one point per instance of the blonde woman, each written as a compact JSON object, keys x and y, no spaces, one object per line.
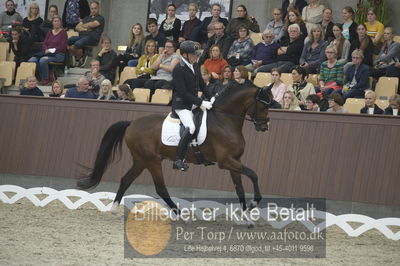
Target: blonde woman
{"x":125,"y":93}
{"x":290,"y":102}
{"x":105,"y":92}
{"x":134,"y":49}
{"x":31,"y":24}
{"x":277,"y":87}
{"x":57,"y":89}
{"x":312,"y":14}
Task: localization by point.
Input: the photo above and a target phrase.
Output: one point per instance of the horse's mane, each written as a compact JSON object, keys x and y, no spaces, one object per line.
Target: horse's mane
{"x":230,"y":91}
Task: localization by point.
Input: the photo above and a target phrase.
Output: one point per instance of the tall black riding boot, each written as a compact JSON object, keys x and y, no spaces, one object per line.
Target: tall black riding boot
{"x":179,"y":162}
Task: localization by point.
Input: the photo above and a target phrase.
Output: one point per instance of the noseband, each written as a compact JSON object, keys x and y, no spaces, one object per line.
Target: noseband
{"x":263,"y":98}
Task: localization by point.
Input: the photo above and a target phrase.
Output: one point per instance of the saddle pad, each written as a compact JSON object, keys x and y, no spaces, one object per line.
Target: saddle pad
{"x":170,"y":131}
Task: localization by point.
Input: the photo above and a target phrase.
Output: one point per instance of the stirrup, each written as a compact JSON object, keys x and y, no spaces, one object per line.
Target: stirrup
{"x":180,"y":165}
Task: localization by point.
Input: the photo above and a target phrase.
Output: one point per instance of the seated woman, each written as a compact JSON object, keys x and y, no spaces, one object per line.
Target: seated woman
{"x":289,"y":52}
{"x":331,"y":72}
{"x":221,"y":84}
{"x":327,"y":24}
{"x":242,"y":18}
{"x":31,"y":24}
{"x":171,"y":26}
{"x":290,"y":102}
{"x":134,"y":49}
{"x":370,"y":106}
{"x":314,"y":51}
{"x":312,"y":14}
{"x":241,"y":76}
{"x":57,"y":89}
{"x":342,"y":45}
{"x":394,"y":106}
{"x":144,"y":69}
{"x":336,"y":103}
{"x":108,"y":59}
{"x":47,"y":24}
{"x":95,"y":77}
{"x":215,"y":63}
{"x":365,"y":44}
{"x":31,"y":88}
{"x":240,"y":51}
{"x":300,"y":87}
{"x":294,"y":17}
{"x":164,"y":65}
{"x":276,"y":25}
{"x":313,"y":102}
{"x":349,"y":26}
{"x":106,"y":92}
{"x":356,"y":81}
{"x":20,"y":46}
{"x":374,"y":28}
{"x":125,"y":93}
{"x":205,"y":75}
{"x":277,"y":87}
{"x":53,"y":50}
{"x":389,"y":55}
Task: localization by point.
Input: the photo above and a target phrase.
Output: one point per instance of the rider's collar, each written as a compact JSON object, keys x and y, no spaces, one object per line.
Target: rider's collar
{"x":187,"y":63}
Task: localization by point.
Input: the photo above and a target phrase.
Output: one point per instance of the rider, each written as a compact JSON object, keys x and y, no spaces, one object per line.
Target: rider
{"x":187,"y":82}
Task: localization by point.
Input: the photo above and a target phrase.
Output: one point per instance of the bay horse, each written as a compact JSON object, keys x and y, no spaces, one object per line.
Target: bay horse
{"x":224,"y":143}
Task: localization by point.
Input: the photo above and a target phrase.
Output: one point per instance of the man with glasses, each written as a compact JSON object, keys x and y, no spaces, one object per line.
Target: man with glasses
{"x":207,"y":27}
{"x":191,"y":28}
{"x":9,"y":18}
{"x":155,"y":34}
{"x":264,"y":52}
{"x":220,"y":38}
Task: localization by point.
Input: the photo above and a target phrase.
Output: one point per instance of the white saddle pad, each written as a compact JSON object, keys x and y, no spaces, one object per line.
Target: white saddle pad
{"x":170,"y":131}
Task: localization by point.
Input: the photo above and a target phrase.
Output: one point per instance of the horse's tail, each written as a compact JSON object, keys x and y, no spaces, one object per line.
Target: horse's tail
{"x":110,"y":144}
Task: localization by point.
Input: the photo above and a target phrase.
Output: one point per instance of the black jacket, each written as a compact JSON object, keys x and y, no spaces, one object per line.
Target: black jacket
{"x":300,"y":4}
{"x":377,"y":110}
{"x":224,"y":44}
{"x":206,"y":22}
{"x":368,"y":52}
{"x":186,"y":86}
{"x":389,"y":111}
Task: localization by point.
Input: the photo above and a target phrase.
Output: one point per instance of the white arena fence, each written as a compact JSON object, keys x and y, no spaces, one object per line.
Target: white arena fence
{"x":342,"y":221}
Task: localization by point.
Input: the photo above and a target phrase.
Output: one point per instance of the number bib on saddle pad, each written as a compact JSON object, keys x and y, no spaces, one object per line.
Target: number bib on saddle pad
{"x":170,"y":132}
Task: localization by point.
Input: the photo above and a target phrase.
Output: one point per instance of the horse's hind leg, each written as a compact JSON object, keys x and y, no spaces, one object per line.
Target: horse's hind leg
{"x":126,"y":181}
{"x":237,"y":181}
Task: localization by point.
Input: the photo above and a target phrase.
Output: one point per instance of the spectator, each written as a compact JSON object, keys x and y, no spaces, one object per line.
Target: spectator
{"x":336,"y":103}
{"x":342,"y":45}
{"x":192,"y":27}
{"x":223,"y":40}
{"x":293,"y":17}
{"x":90,"y":30}
{"x":389,"y":55}
{"x":241,"y":76}
{"x":327,"y":24}
{"x":47,"y":24}
{"x":31,"y":88}
{"x":108,"y":59}
{"x":300,"y":87}
{"x":374,"y":28}
{"x":221,"y":84}
{"x":207,"y":27}
{"x":81,"y":90}
{"x":349,"y":26}
{"x":53,"y":50}
{"x":276,"y":25}
{"x":205,"y":75}
{"x":57,"y":89}
{"x":241,"y":49}
{"x":105,"y":92}
{"x":9,"y":18}
{"x":293,"y":4}
{"x":370,"y":106}
{"x":312,"y":14}
{"x":73,"y":12}
{"x":289,"y":52}
{"x":242,"y":18}
{"x":155,"y":35}
{"x":31,"y":24}
{"x":20,"y":46}
{"x":144,"y":69}
{"x":164,"y":65}
{"x":134,"y":49}
{"x":394,"y":105}
{"x":356,"y":77}
{"x":125,"y":93}
{"x":331,"y":72}
{"x":215,"y":63}
{"x":94,"y":76}
{"x":314,"y":51}
{"x":290,"y":102}
{"x":364,"y":43}
{"x":264,"y":53}
{"x":313,"y":103}
{"x":277,"y":87}
{"x":171,"y":26}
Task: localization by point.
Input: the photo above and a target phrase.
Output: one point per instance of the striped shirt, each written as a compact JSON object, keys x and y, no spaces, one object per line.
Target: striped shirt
{"x":333,"y":74}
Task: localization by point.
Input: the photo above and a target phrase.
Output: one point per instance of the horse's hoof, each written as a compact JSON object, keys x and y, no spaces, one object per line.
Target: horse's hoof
{"x":114,"y":207}
{"x":253,"y":204}
{"x":250,"y":226}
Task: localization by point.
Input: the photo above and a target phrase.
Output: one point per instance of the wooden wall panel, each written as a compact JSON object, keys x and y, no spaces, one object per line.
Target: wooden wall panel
{"x":342,"y":157}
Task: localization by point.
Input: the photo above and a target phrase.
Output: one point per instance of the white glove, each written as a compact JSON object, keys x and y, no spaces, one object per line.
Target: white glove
{"x":212,"y":100}
{"x":205,"y":105}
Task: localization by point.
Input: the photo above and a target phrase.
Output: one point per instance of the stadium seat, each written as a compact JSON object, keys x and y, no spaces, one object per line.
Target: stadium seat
{"x":127,"y":73}
{"x":162,"y":96}
{"x":256,"y":38}
{"x":121,"y":48}
{"x":383,"y":104}
{"x":7,"y":71}
{"x":262,"y":79}
{"x":354,"y":105}
{"x":386,"y":87}
{"x":25,"y":70}
{"x":287,"y":78}
{"x":4,"y":46}
{"x":313,"y":79}
{"x":71,"y":33}
{"x":141,"y":95}
{"x":396,"y":38}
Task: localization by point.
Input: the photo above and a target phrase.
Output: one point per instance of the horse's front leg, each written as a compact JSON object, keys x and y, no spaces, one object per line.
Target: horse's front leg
{"x":237,"y":181}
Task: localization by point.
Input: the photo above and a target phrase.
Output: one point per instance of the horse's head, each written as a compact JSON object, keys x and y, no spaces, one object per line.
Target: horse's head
{"x":258,"y":111}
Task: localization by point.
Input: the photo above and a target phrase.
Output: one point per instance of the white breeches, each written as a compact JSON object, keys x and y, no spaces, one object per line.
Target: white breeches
{"x":186,"y":117}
